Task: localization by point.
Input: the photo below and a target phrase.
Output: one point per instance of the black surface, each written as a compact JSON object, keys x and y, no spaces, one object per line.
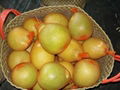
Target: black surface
{"x":105,"y":12}
{"x":21,"y":5}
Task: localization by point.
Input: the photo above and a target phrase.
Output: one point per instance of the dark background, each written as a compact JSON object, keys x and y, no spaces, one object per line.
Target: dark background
{"x":105,"y":12}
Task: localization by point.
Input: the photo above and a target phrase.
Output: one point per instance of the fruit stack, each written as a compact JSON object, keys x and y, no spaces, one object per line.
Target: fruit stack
{"x":55,"y":48}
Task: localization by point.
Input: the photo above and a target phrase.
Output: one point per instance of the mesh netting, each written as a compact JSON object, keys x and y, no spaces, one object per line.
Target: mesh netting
{"x":106,"y":62}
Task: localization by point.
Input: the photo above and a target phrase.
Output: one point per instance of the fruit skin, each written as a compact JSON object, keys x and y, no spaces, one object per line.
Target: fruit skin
{"x":30,"y":24}
{"x":24,"y":75}
{"x":54,"y":38}
{"x":56,"y":18}
{"x":39,"y":56}
{"x":80,"y":26}
{"x":71,"y":53}
{"x":86,"y":73}
{"x":53,"y":76}
{"x":37,"y":87}
{"x":17,"y":57}
{"x":19,"y":38}
{"x":95,"y":47}
{"x":40,"y":27}
{"x":68,"y":66}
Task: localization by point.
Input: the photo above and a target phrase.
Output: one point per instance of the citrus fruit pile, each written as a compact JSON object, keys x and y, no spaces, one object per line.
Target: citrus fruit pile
{"x":51,"y":52}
